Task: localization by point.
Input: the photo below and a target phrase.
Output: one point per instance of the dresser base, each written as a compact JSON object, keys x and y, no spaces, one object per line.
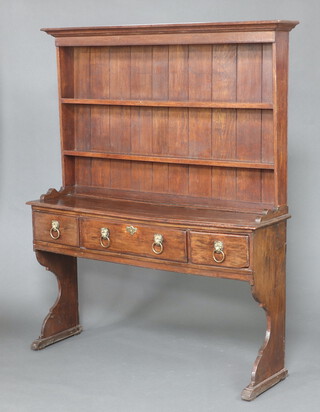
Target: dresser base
{"x":251,"y":392}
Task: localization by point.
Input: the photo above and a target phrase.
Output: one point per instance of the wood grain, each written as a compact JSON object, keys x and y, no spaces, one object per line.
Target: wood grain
{"x":224,"y":138}
{"x":99,"y":72}
{"x":42,"y":223}
{"x":65,"y":58}
{"x":200,"y":73}
{"x":176,"y":28}
{"x":171,"y":159}
{"x":249,"y":69}
{"x":224,"y":73}
{"x":140,"y":243}
{"x":249,"y":63}
{"x":280,"y":67}
{"x":168,"y":39}
{"x":62,"y":320}
{"x":236,"y":249}
{"x":170,"y":103}
{"x":269,"y":291}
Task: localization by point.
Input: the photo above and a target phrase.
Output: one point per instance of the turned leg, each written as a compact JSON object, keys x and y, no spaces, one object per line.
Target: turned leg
{"x":62,"y":320}
{"x":269,"y":291}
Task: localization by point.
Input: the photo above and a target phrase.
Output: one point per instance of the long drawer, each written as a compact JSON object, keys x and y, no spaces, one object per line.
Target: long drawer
{"x":129,"y":238}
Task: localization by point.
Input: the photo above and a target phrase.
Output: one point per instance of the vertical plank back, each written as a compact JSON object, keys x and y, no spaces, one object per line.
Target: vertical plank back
{"x":243,"y":73}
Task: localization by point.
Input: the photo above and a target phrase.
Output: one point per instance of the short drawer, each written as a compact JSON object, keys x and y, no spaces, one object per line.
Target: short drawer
{"x":56,"y":228}
{"x":129,"y":238}
{"x":219,"y":249}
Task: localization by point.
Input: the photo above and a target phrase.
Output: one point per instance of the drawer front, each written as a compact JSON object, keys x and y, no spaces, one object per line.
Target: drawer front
{"x":134,"y":239}
{"x":219,"y":249}
{"x":56,"y":228}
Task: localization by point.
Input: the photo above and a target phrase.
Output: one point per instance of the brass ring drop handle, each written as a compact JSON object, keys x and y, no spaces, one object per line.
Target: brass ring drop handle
{"x":104,"y":238}
{"x":218,"y":250}
{"x":54,"y":231}
{"x":157,"y":245}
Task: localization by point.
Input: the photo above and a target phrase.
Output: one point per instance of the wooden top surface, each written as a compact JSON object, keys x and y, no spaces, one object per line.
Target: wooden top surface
{"x":160,"y":213}
{"x":187,"y":28}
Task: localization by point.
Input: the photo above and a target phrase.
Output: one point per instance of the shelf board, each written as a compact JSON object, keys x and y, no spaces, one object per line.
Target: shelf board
{"x":169,"y":159}
{"x":162,"y":103}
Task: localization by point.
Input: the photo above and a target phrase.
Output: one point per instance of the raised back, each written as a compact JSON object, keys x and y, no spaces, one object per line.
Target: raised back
{"x":191,"y":114}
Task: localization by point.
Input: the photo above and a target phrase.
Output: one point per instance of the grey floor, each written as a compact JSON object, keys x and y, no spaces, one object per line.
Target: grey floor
{"x":152,"y":341}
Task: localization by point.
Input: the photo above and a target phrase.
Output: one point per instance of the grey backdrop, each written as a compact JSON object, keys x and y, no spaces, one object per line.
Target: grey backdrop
{"x":153,"y":341}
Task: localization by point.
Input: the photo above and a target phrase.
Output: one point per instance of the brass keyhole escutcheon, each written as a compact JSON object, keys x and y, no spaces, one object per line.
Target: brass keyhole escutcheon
{"x":131,"y":229}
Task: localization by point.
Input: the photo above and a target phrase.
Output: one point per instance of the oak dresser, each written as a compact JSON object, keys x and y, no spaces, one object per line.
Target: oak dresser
{"x":174,"y":157}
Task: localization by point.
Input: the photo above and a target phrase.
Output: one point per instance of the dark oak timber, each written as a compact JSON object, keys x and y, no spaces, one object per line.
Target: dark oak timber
{"x":62,"y":320}
{"x":268,"y":290}
{"x":158,"y":103}
{"x":175,"y":160}
{"x":174,"y":157}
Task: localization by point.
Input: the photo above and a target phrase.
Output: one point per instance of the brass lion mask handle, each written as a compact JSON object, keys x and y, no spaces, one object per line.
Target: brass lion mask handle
{"x":218,"y":253}
{"x":157,"y":245}
{"x":105,"y":237}
{"x":55,"y":229}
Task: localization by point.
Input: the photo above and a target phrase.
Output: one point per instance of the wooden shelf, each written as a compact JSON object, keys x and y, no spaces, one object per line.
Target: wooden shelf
{"x":156,"y":207}
{"x":169,"y":159}
{"x":162,"y":103}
